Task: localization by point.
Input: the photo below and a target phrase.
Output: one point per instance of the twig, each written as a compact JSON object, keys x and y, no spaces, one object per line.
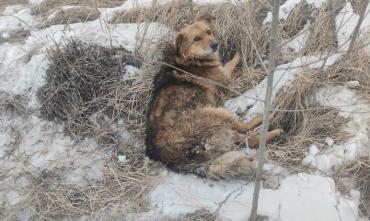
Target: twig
{"x":270,"y":78}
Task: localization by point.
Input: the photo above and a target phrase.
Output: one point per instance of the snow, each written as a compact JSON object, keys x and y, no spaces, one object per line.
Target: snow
{"x":125,"y":35}
{"x":12,"y":9}
{"x":357,"y":110}
{"x":252,"y":102}
{"x":329,"y":141}
{"x":345,"y":24}
{"x":297,"y":43}
{"x":31,"y":144}
{"x":35,"y":2}
{"x":122,"y":158}
{"x":310,"y":157}
{"x":131,"y":71}
{"x":352,"y":84}
{"x":13,"y":197}
{"x":11,"y":22}
{"x":300,"y":197}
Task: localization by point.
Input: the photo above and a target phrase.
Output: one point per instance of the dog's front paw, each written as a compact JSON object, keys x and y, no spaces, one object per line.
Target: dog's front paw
{"x":236,"y":57}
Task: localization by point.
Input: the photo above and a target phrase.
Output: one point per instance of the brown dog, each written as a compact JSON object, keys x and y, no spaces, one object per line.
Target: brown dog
{"x":187,"y":128}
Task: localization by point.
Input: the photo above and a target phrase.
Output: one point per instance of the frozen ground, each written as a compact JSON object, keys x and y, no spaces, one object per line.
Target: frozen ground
{"x":32,"y":145}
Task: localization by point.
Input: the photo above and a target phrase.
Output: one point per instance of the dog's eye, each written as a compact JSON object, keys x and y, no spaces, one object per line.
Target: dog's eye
{"x":197,"y":38}
{"x":209,"y":32}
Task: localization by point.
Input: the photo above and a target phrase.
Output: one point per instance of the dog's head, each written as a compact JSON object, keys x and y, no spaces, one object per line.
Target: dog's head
{"x":197,"y":41}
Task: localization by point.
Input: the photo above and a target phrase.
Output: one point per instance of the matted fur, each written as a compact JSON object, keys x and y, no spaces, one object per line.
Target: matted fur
{"x":187,"y":128}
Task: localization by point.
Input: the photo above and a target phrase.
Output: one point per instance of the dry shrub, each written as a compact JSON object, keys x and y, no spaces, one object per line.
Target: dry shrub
{"x":83,"y":82}
{"x":297,"y":19}
{"x":322,"y":35}
{"x":358,"y":171}
{"x":87,"y":91}
{"x":70,"y":15}
{"x":47,"y":5}
{"x":236,"y":26}
{"x":310,"y":124}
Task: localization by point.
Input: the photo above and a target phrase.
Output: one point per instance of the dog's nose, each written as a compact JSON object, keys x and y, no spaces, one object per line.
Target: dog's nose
{"x":214,"y":46}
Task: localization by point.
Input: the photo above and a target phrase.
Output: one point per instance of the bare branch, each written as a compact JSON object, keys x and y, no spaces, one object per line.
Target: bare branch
{"x":270,"y":78}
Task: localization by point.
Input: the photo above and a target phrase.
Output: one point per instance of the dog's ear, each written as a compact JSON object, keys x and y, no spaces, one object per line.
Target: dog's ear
{"x":179,"y":40}
{"x":207,"y":18}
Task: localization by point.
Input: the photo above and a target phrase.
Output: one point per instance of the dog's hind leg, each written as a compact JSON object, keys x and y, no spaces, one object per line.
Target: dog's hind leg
{"x":253,"y":140}
{"x":220,"y":114}
{"x":232,"y":164}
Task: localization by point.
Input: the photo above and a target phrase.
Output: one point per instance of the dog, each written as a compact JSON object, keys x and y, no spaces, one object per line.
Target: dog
{"x":187,"y":128}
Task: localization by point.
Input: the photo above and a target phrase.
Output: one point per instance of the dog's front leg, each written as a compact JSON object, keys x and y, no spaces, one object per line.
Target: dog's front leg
{"x":229,"y":67}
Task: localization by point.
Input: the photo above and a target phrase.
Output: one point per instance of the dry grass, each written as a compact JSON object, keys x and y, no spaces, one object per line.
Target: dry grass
{"x":303,"y":128}
{"x":356,"y":6}
{"x":83,"y":82}
{"x":70,"y":15}
{"x":236,"y":26}
{"x":297,"y":19}
{"x":14,"y":103}
{"x":313,"y":125}
{"x":323,"y":32}
{"x":354,"y":67}
{"x":46,"y":6}
{"x":5,"y":3}
{"x":123,"y":189}
{"x":199,"y":215}
{"x":358,"y":171}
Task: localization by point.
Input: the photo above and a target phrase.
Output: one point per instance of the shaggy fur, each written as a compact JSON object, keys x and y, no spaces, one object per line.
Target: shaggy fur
{"x":187,"y":128}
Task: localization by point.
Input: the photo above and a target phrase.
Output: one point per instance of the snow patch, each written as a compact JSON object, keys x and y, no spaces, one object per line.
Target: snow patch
{"x":310,"y":157}
{"x":124,"y":35}
{"x":357,"y":110}
{"x":252,"y":101}
{"x":21,"y":19}
{"x":300,"y":197}
{"x":297,"y":43}
{"x":131,"y":71}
